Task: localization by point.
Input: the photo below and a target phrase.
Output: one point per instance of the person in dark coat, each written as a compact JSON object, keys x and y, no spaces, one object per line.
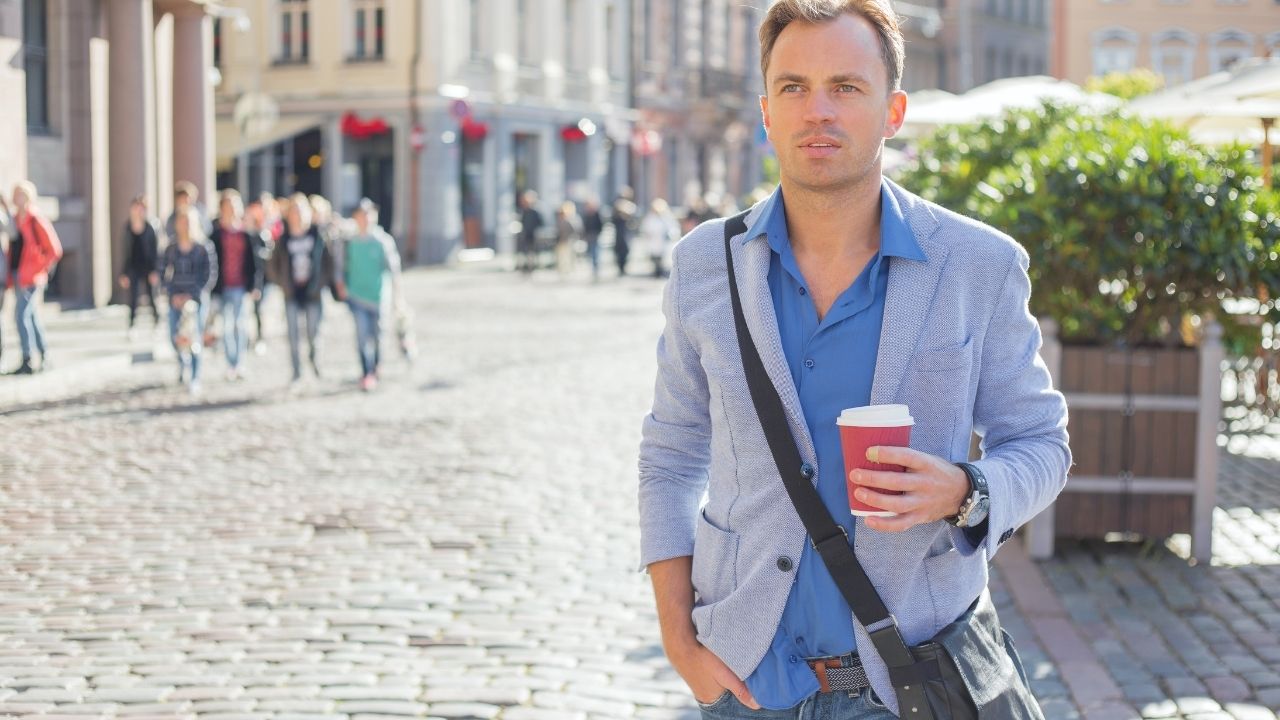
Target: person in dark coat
{"x":142,"y":252}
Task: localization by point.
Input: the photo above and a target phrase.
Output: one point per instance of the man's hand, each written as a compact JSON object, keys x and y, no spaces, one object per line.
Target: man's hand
{"x":155,"y":278}
{"x":124,"y":281}
{"x":932,"y":488}
{"x":179,"y":300}
{"x":708,"y":677}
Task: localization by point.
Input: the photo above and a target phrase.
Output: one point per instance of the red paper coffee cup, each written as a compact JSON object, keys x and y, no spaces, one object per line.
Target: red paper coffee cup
{"x":866,"y":427}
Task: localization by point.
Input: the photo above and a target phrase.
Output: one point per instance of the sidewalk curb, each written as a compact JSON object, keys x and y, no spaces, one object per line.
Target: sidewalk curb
{"x":60,"y":383}
{"x":1092,"y":688}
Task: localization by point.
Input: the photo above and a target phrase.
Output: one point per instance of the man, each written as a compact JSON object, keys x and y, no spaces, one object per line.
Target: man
{"x":530,"y":223}
{"x":856,"y":292}
{"x":264,"y":237}
{"x":623,"y":217}
{"x":361,"y":263}
{"x":34,"y":250}
{"x":240,"y":271}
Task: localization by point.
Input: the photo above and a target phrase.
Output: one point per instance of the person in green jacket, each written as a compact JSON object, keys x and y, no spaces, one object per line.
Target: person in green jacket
{"x":364,"y":262}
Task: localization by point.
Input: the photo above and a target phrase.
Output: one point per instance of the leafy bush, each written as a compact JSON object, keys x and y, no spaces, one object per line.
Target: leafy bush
{"x":1134,"y":231}
{"x":1127,"y":85}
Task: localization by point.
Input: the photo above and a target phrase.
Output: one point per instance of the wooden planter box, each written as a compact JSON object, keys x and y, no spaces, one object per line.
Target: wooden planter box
{"x":1143,"y":427}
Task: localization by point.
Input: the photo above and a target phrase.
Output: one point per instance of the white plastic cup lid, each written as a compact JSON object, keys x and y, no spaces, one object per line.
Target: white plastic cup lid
{"x":876,"y":416}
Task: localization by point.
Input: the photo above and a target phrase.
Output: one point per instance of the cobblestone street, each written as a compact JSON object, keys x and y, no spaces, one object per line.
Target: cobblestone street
{"x":462,"y":542}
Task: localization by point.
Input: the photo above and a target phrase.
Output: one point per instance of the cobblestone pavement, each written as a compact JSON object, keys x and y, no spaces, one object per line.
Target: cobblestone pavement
{"x":461,"y":542}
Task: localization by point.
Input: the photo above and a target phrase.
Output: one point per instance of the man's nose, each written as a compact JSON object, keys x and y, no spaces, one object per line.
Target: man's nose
{"x":820,"y":108}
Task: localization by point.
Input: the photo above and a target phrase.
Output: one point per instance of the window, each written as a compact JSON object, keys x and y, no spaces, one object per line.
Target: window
{"x":613,"y":47}
{"x":1114,"y":50}
{"x":1172,"y":54}
{"x":1228,"y":47}
{"x":369,"y":27}
{"x":35,"y":58}
{"x":571,"y":45}
{"x":295,"y":21}
{"x":524,"y":44}
{"x":477,"y":29}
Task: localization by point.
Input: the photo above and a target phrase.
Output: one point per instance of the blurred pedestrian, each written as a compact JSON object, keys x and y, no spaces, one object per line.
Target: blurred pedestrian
{"x":363,"y":263}
{"x":240,"y":272}
{"x":303,"y":267}
{"x":623,"y":217}
{"x":185,"y":196}
{"x":272,"y":215}
{"x":6,"y":231}
{"x":659,"y":230}
{"x":188,"y":270}
{"x":264,"y":243}
{"x":34,"y":250}
{"x":568,"y":230}
{"x":592,"y":226}
{"x":530,"y":223}
{"x":141,"y":240}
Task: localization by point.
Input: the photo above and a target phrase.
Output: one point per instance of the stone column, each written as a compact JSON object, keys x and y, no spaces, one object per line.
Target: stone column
{"x":131,"y":103}
{"x":193,"y":100}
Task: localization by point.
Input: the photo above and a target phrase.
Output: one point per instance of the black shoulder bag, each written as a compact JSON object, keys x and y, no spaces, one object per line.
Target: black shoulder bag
{"x":969,"y":671}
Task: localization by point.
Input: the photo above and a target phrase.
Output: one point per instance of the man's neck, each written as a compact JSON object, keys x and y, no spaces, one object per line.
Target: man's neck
{"x":834,"y":224}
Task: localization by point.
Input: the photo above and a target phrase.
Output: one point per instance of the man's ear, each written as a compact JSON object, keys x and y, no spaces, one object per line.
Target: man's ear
{"x":896,"y":114}
{"x":764,"y":111}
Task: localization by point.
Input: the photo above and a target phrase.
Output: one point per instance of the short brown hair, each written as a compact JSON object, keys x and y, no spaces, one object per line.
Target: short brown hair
{"x":877,"y":12}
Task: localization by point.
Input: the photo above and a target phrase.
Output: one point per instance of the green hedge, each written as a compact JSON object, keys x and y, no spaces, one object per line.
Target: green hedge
{"x":1135,"y":232}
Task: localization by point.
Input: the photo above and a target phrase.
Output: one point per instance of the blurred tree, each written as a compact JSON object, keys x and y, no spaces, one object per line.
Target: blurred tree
{"x":1134,"y":231}
{"x":1127,"y":85}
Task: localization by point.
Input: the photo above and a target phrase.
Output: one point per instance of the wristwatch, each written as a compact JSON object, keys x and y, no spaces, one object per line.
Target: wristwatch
{"x":974,"y":509}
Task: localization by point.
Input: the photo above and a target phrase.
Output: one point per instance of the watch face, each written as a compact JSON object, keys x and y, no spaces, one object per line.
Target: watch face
{"x":979,"y":513}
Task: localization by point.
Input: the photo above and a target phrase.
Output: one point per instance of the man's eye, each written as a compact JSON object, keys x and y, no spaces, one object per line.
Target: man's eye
{"x":846,"y":88}
{"x":791,"y":88}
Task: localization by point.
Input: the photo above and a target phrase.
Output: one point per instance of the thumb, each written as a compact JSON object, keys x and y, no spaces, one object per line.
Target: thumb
{"x":730,"y":682}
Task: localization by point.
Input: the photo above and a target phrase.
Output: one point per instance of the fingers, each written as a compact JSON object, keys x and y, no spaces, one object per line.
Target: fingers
{"x":726,"y":677}
{"x":904,"y":456}
{"x":885,"y":480}
{"x":901,"y":504}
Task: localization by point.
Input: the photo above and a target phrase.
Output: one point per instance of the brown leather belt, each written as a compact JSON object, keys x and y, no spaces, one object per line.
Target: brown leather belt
{"x":844,"y":673}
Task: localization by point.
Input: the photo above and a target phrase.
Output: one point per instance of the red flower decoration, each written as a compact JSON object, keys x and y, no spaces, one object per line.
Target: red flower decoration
{"x":355,"y":128}
{"x":473,"y":129}
{"x":572,"y":133}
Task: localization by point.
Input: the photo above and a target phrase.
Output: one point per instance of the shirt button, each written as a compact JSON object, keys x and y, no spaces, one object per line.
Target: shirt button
{"x":785,"y":564}
{"x":803,"y":291}
{"x":800,"y":640}
{"x":809,"y":363}
{"x":794,"y":659}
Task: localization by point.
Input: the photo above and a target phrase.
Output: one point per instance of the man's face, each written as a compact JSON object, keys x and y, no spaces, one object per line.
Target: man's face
{"x":827,"y":106}
{"x":181,"y":201}
{"x":20,"y":201}
{"x":361,"y":219}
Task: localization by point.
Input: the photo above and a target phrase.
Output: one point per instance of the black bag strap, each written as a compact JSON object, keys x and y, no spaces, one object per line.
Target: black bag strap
{"x":827,"y":537}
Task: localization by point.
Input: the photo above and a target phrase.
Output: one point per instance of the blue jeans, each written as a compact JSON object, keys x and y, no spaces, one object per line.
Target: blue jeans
{"x":820,"y":706}
{"x":368,"y":336}
{"x":294,"y":312}
{"x":30,"y":329}
{"x":190,"y":359}
{"x":235,"y":325}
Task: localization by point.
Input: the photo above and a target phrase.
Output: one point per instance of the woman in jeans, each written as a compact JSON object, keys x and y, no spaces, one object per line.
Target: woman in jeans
{"x":33,"y":251}
{"x":303,"y":267}
{"x":188,"y":269}
{"x":239,"y":276}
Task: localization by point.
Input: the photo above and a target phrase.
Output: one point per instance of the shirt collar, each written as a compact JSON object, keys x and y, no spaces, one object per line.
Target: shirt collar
{"x":896,"y":237}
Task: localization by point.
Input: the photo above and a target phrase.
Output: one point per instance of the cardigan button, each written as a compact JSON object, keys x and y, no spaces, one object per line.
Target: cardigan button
{"x":785,"y":564}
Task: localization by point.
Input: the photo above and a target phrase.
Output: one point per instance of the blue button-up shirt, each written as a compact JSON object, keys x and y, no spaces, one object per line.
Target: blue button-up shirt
{"x":832,"y":363}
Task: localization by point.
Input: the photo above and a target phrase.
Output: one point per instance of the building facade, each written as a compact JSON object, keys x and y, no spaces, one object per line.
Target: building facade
{"x":442,"y":112}
{"x":1179,"y":39}
{"x":987,"y":40}
{"x":110,"y":99}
